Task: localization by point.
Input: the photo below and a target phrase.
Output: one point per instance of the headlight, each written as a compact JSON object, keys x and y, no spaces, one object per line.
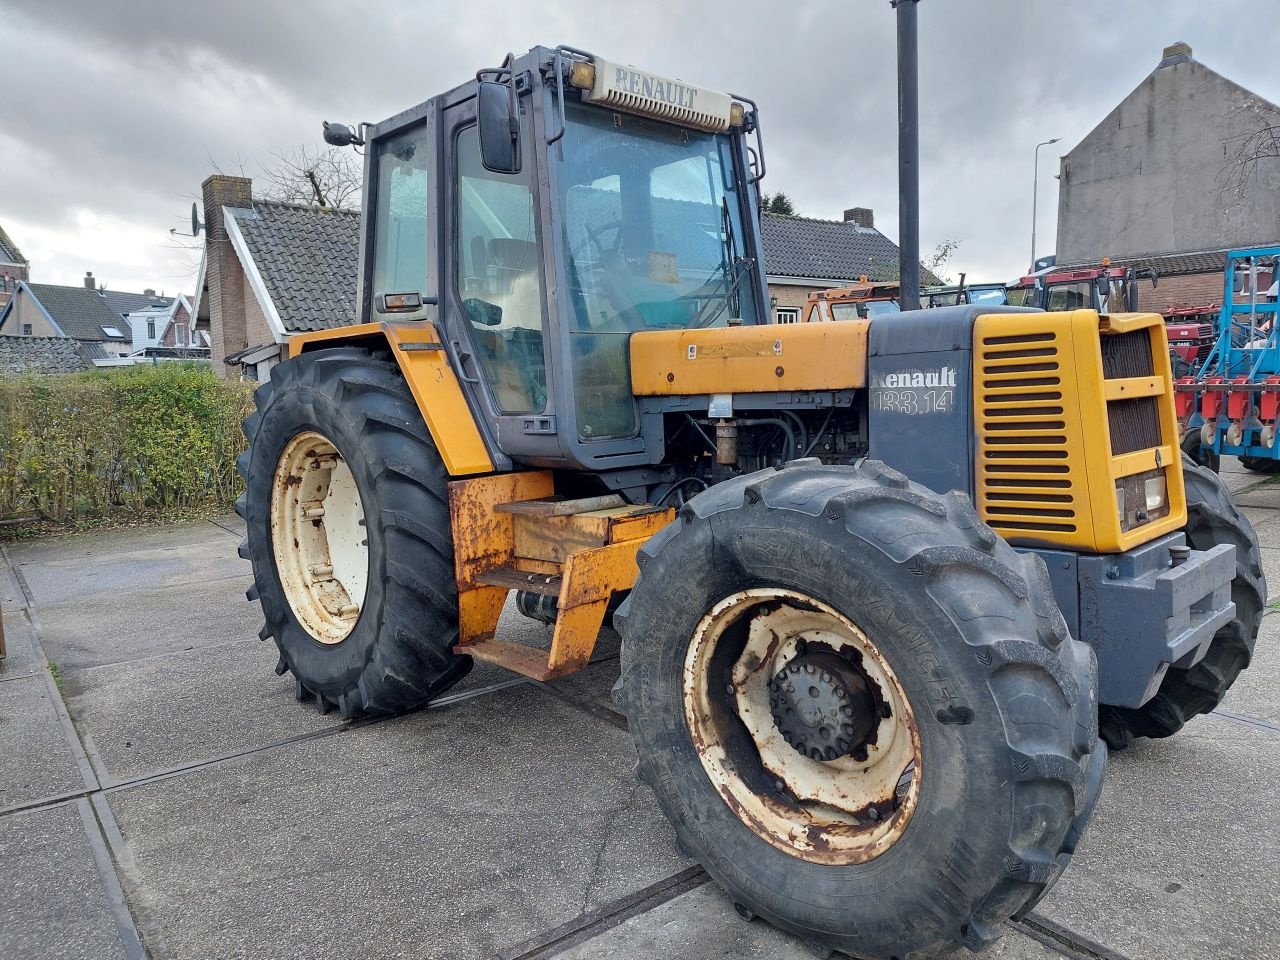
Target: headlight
{"x":1157,"y":492}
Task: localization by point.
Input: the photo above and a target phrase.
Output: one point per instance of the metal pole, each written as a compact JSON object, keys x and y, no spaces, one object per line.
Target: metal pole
{"x":1035,"y":196}
{"x":908,"y":157}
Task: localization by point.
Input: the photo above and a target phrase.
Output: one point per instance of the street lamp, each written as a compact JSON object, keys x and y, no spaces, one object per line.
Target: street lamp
{"x":1035,"y":191}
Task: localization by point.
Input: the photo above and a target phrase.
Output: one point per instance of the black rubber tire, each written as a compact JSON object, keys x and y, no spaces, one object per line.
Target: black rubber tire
{"x":1260,"y":464}
{"x":1212,"y":518}
{"x":1198,"y":454}
{"x":1004,"y":698}
{"x":399,"y":655}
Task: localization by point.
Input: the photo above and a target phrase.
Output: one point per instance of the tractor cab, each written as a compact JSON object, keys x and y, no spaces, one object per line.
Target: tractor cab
{"x":544,"y":212}
{"x":1106,"y":289}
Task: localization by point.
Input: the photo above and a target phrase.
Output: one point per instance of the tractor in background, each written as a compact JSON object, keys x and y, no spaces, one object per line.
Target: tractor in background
{"x":857,"y":301}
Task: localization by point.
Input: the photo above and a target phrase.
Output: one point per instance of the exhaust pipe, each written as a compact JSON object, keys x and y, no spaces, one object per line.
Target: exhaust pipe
{"x":908,"y":156}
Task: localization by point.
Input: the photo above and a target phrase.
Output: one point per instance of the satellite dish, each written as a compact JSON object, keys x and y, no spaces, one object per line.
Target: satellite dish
{"x":196,"y":225}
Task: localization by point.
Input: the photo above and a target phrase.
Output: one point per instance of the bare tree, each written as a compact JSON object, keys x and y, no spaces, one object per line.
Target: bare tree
{"x":326,"y":178}
{"x":1263,"y":145}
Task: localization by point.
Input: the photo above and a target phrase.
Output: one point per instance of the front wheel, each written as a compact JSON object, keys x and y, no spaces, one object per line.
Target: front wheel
{"x":859,"y":707}
{"x":347,"y":520}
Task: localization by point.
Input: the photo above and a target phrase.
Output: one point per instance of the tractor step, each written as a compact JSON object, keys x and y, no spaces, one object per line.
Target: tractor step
{"x":512,"y":533}
{"x":517,"y":657}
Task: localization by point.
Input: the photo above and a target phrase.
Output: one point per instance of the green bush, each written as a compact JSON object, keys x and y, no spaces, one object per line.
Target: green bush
{"x":119,"y":443}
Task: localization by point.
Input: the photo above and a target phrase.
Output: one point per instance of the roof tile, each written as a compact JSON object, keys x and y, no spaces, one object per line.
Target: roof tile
{"x":307,"y":259}
{"x":40,"y":355}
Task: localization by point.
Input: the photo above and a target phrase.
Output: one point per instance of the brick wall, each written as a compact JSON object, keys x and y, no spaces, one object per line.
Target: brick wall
{"x":789,"y":296}
{"x":1187,"y":290}
{"x":257,"y":331}
{"x":224,"y":276}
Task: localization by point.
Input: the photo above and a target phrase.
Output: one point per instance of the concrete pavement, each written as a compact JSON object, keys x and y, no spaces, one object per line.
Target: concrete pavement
{"x":182,"y":804}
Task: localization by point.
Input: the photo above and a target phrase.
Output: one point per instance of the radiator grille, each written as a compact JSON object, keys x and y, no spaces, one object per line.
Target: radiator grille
{"x":1028,"y":483}
{"x":1127,"y":355}
{"x":1134,"y":423}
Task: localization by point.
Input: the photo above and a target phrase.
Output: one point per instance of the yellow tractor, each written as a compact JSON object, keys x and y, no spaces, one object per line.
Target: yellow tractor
{"x":857,"y":301}
{"x":878,"y":575}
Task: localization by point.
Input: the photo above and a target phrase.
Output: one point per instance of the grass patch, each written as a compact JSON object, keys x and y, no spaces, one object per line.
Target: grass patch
{"x":57,"y":679}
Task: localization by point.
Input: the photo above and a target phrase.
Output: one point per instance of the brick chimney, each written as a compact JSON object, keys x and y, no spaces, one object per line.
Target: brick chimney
{"x":89,"y":283}
{"x":149,"y":292}
{"x":862,"y":216}
{"x":224,"y":274}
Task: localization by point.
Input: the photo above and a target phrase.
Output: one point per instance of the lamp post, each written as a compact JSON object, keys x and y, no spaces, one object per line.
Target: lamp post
{"x":1035,"y":195}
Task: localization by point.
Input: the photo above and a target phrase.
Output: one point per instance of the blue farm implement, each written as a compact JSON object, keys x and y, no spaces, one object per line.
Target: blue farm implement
{"x":1230,"y":402}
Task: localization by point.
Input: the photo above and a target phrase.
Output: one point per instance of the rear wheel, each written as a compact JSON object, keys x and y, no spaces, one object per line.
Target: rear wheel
{"x":859,"y":707}
{"x":1212,"y":519}
{"x":1201,"y":455}
{"x":347,"y":522}
{"x":1260,"y":464}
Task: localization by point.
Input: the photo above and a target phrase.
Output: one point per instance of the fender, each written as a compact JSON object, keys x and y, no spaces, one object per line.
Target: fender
{"x":421,"y":357}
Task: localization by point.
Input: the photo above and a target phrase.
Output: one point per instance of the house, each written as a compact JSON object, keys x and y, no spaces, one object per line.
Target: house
{"x":81,"y":313}
{"x":1157,"y":182}
{"x":166,"y":322}
{"x":802,"y":255}
{"x":270,"y":270}
{"x":20,"y":355}
{"x":14,"y":268}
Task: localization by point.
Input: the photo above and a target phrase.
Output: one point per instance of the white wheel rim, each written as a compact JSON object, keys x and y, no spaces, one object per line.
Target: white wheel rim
{"x":319,"y":538}
{"x":849,"y":809}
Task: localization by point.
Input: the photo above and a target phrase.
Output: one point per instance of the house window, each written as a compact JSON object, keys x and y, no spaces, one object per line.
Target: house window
{"x":26,"y":329}
{"x":151,"y":329}
{"x":788,"y":314}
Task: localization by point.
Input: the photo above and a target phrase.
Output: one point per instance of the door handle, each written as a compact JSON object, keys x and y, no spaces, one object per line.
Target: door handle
{"x":463,"y":357}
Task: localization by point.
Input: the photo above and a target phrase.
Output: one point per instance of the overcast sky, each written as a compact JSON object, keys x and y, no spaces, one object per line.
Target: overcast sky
{"x":113,"y":111}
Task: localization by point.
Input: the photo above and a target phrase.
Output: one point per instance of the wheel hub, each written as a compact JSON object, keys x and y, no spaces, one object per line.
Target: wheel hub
{"x":823,"y":706}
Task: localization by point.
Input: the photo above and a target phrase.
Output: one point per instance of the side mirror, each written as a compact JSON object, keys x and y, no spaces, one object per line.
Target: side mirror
{"x":340,"y":135}
{"x":498,"y":116}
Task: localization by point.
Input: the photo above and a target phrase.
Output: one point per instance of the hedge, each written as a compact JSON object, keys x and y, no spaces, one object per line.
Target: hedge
{"x":127,"y":442}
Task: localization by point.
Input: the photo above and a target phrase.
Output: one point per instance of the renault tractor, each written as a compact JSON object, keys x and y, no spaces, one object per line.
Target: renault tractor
{"x":881,"y":584}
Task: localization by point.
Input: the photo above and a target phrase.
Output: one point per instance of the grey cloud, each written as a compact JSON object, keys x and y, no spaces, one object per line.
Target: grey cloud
{"x":124,"y":104}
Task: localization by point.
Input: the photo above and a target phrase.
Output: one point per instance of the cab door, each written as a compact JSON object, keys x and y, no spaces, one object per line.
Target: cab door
{"x":493,"y":285}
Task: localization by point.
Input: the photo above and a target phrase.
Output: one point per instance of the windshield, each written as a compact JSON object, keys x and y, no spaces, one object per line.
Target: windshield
{"x":863,"y":309}
{"x":652,"y":231}
{"x":986,"y":295}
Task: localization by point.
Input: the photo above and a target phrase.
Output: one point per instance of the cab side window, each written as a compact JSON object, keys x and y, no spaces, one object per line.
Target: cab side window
{"x":400,"y":217}
{"x":499,"y":278}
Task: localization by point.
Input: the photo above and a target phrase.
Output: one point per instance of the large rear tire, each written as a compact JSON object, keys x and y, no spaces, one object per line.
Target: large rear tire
{"x":1212,"y":518}
{"x":786,"y":578}
{"x":1260,"y":464}
{"x":347,"y":518}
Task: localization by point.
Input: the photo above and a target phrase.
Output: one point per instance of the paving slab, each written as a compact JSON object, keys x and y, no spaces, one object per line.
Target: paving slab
{"x":144,"y":622}
{"x":1180,"y":858}
{"x":702,"y":925}
{"x":19,"y":638}
{"x":35,"y":758}
{"x":166,"y":710}
{"x":1263,"y":493}
{"x":81,"y":566}
{"x":54,"y":905}
{"x":1256,"y":692}
{"x":594,"y":684}
{"x":1264,"y":522}
{"x":450,"y":833}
